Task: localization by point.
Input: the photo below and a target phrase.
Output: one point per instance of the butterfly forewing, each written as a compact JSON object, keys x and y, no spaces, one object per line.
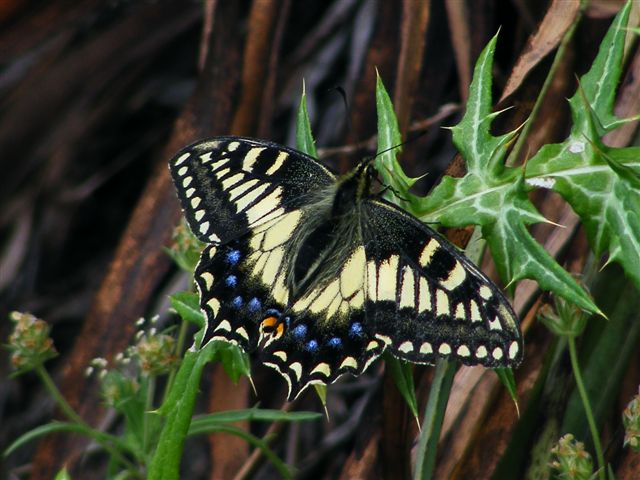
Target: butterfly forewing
{"x":228,"y":185}
{"x":320,"y":277}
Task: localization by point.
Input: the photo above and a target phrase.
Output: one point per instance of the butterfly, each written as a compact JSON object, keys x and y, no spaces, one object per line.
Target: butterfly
{"x":321,"y":275}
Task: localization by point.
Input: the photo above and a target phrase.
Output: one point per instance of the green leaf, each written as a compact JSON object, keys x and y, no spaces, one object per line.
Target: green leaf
{"x":509,"y":381}
{"x":600,"y":82}
{"x":178,"y":409}
{"x":52,"y":427}
{"x":433,"y":417}
{"x":321,"y":392}
{"x":389,"y":145}
{"x":235,"y":360}
{"x":63,"y":474}
{"x":304,"y":136}
{"x":600,"y":183}
{"x":283,"y":469}
{"x":187,"y":304}
{"x":483,"y":153}
{"x":495,"y":197}
{"x":201,"y":423}
{"x":65,"y":427}
{"x":402,"y":373}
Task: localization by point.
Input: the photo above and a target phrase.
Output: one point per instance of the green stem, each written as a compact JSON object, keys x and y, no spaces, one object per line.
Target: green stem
{"x":151,"y":389}
{"x":178,"y":409}
{"x":433,"y":417}
{"x":182,"y":334}
{"x":105,"y":441}
{"x":587,"y":407}
{"x":62,"y":403}
{"x":515,"y":153}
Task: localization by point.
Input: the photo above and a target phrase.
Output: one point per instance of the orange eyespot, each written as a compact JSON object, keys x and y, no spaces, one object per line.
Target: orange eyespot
{"x":269,"y":322}
{"x":279,"y":329}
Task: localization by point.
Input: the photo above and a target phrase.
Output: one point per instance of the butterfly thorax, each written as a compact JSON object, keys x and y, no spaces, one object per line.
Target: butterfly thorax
{"x":326,"y":240}
{"x":352,"y":188}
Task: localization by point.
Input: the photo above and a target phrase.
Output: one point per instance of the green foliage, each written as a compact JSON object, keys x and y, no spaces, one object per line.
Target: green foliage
{"x":571,"y":461}
{"x":304,"y":137}
{"x":187,"y":305}
{"x":402,"y":374}
{"x":599,"y":182}
{"x":149,"y":438}
{"x":186,"y":248}
{"x":495,"y":196}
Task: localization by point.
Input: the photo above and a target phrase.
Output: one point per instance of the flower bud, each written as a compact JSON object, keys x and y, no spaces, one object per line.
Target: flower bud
{"x":29,"y":343}
{"x":631,"y":421}
{"x":571,"y":460}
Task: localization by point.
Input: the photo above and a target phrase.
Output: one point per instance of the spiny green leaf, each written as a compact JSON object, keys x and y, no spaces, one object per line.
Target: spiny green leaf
{"x":483,"y":153}
{"x":599,"y":182}
{"x":519,"y":256}
{"x":389,"y":145}
{"x":304,"y":137}
{"x":601,"y":81}
{"x":495,"y":197}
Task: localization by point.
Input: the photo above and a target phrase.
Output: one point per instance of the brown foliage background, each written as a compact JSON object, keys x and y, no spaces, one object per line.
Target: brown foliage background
{"x":94,"y":99}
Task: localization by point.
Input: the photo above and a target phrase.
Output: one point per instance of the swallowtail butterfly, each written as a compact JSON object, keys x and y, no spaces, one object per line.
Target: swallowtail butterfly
{"x":320,"y":274}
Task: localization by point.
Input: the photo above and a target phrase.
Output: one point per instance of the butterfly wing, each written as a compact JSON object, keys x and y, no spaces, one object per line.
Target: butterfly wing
{"x":244,"y":198}
{"x":400,"y":286}
{"x":426,"y":299}
{"x":229,"y":185}
{"x":329,"y":333}
{"x":323,"y":331}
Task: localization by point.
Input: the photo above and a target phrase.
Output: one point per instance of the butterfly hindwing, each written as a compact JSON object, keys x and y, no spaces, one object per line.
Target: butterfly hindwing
{"x":228,"y":185}
{"x":429,"y":300}
{"x":313,"y":339}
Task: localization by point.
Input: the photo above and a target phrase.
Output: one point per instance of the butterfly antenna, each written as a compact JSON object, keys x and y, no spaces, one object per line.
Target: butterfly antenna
{"x":411,"y":139}
{"x":345,"y":102}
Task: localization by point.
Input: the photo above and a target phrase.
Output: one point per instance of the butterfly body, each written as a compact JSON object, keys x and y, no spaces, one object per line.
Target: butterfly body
{"x":321,"y":275}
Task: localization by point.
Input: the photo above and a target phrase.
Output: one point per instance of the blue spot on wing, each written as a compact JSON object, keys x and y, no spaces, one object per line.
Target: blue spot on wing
{"x":311,"y":346}
{"x":356,"y":329}
{"x":254,"y":305}
{"x":335,"y":342}
{"x":237,"y":302}
{"x":300,"y":331}
{"x":233,"y":257}
{"x":231,"y":281}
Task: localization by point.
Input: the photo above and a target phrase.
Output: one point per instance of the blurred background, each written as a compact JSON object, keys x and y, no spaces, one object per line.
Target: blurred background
{"x":95,"y":97}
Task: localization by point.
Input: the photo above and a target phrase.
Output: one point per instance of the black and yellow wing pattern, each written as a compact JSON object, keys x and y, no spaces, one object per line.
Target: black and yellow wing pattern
{"x":320,"y":275}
